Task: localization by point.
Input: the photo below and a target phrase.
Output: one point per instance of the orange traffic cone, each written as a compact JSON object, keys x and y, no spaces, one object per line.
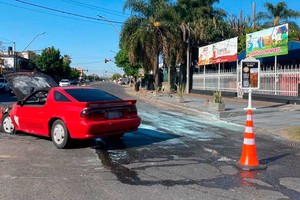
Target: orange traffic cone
{"x":248,"y":159}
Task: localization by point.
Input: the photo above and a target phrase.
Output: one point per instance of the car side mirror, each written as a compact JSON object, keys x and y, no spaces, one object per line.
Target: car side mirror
{"x":21,"y":103}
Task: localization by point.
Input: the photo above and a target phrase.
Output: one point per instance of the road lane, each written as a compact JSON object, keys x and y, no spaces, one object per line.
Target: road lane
{"x":173,"y":155}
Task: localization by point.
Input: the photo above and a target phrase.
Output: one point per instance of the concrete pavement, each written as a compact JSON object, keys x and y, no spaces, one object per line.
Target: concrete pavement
{"x":268,"y":117}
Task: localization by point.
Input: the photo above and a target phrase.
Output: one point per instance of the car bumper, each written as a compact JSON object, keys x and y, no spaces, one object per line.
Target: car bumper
{"x":94,"y":129}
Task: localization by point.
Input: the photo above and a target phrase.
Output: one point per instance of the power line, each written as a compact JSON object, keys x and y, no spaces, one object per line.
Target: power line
{"x":93,"y":7}
{"x":66,"y":12}
{"x":49,"y":13}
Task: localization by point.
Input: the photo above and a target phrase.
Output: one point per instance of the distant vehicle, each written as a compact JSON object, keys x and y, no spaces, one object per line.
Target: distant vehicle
{"x":65,"y":113}
{"x":122,"y":81}
{"x":3,"y":85}
{"x":73,"y":82}
{"x":64,"y":82}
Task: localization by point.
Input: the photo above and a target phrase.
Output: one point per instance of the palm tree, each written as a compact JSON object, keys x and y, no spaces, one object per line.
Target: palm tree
{"x":206,"y":23}
{"x":278,"y":14}
{"x":143,"y":35}
{"x":158,"y":27}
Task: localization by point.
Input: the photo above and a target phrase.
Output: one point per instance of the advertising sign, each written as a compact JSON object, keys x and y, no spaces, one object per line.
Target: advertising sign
{"x":250,"y":73}
{"x":224,"y":51}
{"x":268,"y":42}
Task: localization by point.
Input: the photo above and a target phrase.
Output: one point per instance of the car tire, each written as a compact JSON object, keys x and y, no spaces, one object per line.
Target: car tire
{"x":60,"y":134}
{"x":6,"y":124}
{"x":115,"y":137}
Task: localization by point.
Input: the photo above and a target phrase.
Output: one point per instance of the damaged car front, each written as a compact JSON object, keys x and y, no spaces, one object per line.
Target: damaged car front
{"x":23,"y":84}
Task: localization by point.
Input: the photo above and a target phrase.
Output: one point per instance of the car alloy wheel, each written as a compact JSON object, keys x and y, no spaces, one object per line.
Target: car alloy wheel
{"x":60,"y":134}
{"x":7,"y":125}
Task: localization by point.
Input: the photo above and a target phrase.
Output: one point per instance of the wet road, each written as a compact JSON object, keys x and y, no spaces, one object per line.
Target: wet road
{"x":174,"y":155}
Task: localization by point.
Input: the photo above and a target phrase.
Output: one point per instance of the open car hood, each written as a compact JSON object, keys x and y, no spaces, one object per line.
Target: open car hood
{"x":24,"y":83}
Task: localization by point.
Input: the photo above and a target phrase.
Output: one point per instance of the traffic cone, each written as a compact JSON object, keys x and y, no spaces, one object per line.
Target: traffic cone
{"x":248,"y":159}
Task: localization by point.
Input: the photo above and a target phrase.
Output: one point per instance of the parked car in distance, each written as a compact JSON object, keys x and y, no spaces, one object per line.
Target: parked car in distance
{"x":73,"y":82}
{"x":66,"y":113}
{"x":64,"y":82}
{"x":3,"y":85}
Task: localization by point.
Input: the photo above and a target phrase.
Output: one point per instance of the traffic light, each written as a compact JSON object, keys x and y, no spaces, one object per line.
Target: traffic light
{"x":106,"y":60}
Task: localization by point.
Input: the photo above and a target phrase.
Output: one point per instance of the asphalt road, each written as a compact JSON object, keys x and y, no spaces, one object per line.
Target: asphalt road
{"x":175,"y":154}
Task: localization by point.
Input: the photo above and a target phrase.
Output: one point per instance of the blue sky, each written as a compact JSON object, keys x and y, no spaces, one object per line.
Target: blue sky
{"x":88,"y":41}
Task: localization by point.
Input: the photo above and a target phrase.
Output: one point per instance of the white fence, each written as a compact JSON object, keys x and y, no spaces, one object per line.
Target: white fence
{"x":283,"y":81}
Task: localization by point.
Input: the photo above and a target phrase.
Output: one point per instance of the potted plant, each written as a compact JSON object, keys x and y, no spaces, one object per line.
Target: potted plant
{"x":180,"y":92}
{"x":218,"y":102}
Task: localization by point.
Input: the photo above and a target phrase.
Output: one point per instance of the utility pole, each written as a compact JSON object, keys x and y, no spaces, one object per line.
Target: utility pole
{"x":253,"y":14}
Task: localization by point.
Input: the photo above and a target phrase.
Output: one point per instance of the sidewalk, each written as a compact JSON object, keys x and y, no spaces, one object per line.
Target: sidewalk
{"x":268,"y":116}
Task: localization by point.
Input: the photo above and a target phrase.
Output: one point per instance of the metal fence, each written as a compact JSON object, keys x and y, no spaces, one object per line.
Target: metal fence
{"x":283,"y":81}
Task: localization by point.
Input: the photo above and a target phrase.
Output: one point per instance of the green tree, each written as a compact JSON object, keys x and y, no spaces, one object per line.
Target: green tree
{"x":116,"y":76}
{"x":142,"y":34}
{"x":66,"y":66}
{"x":206,"y":22}
{"x":50,"y":62}
{"x":74,"y":74}
{"x":122,"y":61}
{"x":240,"y":27}
{"x":277,"y":14}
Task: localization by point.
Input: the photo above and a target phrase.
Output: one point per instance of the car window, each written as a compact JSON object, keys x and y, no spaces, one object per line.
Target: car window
{"x":38,"y":98}
{"x":90,"y":95}
{"x":60,"y":97}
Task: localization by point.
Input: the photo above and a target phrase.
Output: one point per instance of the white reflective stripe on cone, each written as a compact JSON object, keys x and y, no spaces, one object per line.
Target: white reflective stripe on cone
{"x":249,"y":117}
{"x":249,"y":129}
{"x":249,"y":141}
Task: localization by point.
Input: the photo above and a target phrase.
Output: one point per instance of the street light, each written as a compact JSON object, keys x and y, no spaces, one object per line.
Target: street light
{"x":113,"y":52}
{"x":33,"y":40}
{"x":110,"y":23}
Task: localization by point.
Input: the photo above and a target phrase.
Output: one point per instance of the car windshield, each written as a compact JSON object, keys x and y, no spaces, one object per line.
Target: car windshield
{"x":64,"y":80}
{"x":90,"y":95}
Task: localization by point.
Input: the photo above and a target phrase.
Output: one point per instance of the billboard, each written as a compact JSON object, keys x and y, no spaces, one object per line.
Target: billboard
{"x":224,"y":51}
{"x":269,"y":42}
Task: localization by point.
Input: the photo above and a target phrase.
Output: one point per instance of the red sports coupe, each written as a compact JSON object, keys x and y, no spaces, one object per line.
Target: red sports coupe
{"x":65,"y":113}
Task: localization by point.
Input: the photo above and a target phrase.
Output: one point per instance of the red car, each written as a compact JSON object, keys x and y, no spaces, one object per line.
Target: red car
{"x":66,"y":113}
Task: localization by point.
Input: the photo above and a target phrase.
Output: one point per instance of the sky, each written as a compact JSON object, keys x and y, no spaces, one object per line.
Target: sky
{"x":82,"y":28}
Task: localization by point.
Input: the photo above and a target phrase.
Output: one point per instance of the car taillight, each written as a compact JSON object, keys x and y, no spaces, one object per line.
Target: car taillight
{"x":92,"y":113}
{"x":131,"y":110}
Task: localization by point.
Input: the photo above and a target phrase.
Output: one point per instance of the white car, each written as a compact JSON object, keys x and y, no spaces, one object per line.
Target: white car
{"x":3,"y":84}
{"x":64,"y":82}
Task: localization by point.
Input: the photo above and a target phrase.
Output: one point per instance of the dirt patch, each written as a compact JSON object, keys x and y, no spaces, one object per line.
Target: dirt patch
{"x":292,"y":133}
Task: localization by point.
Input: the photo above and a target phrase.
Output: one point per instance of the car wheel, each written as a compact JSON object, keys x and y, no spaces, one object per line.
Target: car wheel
{"x":60,"y":134}
{"x":7,"y":125}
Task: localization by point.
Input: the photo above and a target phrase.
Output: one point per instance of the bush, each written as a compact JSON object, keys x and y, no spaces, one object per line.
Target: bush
{"x":217,"y":97}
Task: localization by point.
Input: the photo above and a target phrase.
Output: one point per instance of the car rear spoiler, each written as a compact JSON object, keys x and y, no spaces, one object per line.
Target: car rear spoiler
{"x":116,"y":103}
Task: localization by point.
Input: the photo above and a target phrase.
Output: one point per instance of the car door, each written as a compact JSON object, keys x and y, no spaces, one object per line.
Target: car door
{"x":31,"y":112}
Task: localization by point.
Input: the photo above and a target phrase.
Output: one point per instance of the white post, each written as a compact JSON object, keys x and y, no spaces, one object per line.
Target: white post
{"x":275,"y":73}
{"x":238,"y":81}
{"x":204,"y":78}
{"x":188,"y":63}
{"x":249,"y":101}
{"x":219,"y":73}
